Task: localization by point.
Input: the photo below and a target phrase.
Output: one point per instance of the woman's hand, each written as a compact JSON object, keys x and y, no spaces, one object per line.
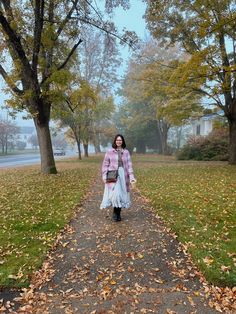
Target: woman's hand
{"x":133,"y":181}
{"x":104,"y":181}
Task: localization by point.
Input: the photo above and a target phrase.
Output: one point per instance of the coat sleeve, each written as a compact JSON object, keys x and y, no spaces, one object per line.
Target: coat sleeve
{"x":130,"y":167}
{"x":105,"y":166}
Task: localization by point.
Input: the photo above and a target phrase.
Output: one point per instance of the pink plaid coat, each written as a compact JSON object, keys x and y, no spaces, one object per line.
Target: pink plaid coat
{"x":110,"y":162}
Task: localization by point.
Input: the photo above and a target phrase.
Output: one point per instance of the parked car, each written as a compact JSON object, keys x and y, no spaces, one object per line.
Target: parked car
{"x":59,"y":152}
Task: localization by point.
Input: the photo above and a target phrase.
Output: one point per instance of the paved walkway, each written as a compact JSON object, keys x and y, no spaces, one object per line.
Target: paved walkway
{"x":101,"y":266}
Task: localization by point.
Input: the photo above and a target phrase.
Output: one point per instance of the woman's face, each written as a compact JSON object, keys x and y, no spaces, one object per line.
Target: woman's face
{"x":119,"y":141}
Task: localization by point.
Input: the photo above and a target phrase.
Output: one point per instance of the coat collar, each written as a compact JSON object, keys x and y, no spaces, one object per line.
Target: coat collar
{"x":114,"y":150}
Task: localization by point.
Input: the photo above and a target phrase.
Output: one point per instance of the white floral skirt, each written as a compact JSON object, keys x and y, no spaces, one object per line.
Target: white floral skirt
{"x":115,"y":194}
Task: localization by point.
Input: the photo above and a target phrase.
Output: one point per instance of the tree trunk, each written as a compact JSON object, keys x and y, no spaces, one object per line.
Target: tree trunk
{"x":178,"y":137}
{"x":79,"y":148}
{"x":164,"y":144}
{"x":85,"y":150}
{"x":96,"y":142}
{"x":232,"y":141}
{"x":44,"y":138}
{"x":6,"y":145}
{"x":163,"y":128}
{"x":97,"y":148}
{"x":76,"y":131}
{"x":141,"y":147}
{"x":131,"y":149}
{"x":158,"y":139}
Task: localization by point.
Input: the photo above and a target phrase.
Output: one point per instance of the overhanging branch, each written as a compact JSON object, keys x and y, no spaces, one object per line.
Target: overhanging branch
{"x":9,"y":82}
{"x":14,"y":41}
{"x":69,"y":55}
{"x":201,"y":91}
{"x":65,"y":62}
{"x":92,"y":23}
{"x":67,"y":18}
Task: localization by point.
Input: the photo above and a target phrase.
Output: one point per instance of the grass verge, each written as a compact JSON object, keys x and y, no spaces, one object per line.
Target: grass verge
{"x":34,"y":208}
{"x":198,"y":201}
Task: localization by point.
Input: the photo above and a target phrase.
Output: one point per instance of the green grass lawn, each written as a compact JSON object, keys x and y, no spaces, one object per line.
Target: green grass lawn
{"x":34,"y":208}
{"x":198,"y":201}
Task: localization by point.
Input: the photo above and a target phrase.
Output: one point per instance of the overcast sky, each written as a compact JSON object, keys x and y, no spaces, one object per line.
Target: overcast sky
{"x":131,"y":19}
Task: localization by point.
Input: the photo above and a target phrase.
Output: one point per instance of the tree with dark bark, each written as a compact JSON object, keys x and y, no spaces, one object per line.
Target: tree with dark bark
{"x":38,"y":41}
{"x":206,"y":30}
{"x":34,"y":35}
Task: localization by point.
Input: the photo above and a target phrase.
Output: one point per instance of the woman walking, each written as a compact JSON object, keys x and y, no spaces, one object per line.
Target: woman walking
{"x":117,"y":174}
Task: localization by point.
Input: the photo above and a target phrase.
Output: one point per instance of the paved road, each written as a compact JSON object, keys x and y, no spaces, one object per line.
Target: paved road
{"x":133,"y":266}
{"x":24,"y":160}
{"x":17,"y":160}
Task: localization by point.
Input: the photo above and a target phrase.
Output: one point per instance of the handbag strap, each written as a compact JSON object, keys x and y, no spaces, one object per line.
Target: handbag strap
{"x":120,"y":162}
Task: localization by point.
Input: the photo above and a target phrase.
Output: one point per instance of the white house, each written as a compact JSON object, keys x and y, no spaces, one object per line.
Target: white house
{"x":202,"y":126}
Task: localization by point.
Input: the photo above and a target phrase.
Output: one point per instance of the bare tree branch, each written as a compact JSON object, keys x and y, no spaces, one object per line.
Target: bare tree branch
{"x":8,"y":9}
{"x":67,"y":18}
{"x":9,"y":82}
{"x":69,"y":55}
{"x":14,"y":42}
{"x":102,"y":28}
{"x":95,"y":10}
{"x":204,"y":92}
{"x":65,"y":62}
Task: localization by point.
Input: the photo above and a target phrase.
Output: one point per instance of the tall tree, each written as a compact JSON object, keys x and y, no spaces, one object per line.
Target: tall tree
{"x":149,"y":80}
{"x":35,"y":34}
{"x":38,"y":41}
{"x":8,"y":132}
{"x":75,"y":112}
{"x":100,"y":60}
{"x":206,"y":30}
{"x":137,"y":121}
{"x":102,"y":127}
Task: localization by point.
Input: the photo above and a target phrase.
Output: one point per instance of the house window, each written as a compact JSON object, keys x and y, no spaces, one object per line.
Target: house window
{"x":198,"y":130}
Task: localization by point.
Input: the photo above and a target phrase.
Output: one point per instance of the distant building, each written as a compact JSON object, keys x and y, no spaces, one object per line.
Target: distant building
{"x":25,"y":133}
{"x":202,"y":126}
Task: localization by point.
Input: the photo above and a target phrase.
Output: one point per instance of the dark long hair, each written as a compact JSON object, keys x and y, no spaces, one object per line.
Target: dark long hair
{"x":123,"y":141}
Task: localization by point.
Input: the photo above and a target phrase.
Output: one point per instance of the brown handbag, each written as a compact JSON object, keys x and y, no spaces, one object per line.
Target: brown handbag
{"x":112,"y":176}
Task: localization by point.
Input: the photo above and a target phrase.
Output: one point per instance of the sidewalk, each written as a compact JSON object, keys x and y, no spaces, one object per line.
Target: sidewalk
{"x":101,"y":266}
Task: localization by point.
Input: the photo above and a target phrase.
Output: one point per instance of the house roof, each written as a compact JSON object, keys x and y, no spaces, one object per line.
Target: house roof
{"x":210,"y":116}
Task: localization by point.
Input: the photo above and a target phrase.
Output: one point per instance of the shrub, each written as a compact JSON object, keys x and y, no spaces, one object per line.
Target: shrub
{"x":188,"y":152}
{"x":212,"y":147}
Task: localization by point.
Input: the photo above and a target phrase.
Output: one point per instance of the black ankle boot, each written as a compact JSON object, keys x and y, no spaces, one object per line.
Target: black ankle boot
{"x":115,"y":216}
{"x":118,"y":214}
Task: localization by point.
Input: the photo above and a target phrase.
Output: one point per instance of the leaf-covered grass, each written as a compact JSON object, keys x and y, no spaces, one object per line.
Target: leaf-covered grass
{"x":34,"y":208}
{"x":198,"y":201}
